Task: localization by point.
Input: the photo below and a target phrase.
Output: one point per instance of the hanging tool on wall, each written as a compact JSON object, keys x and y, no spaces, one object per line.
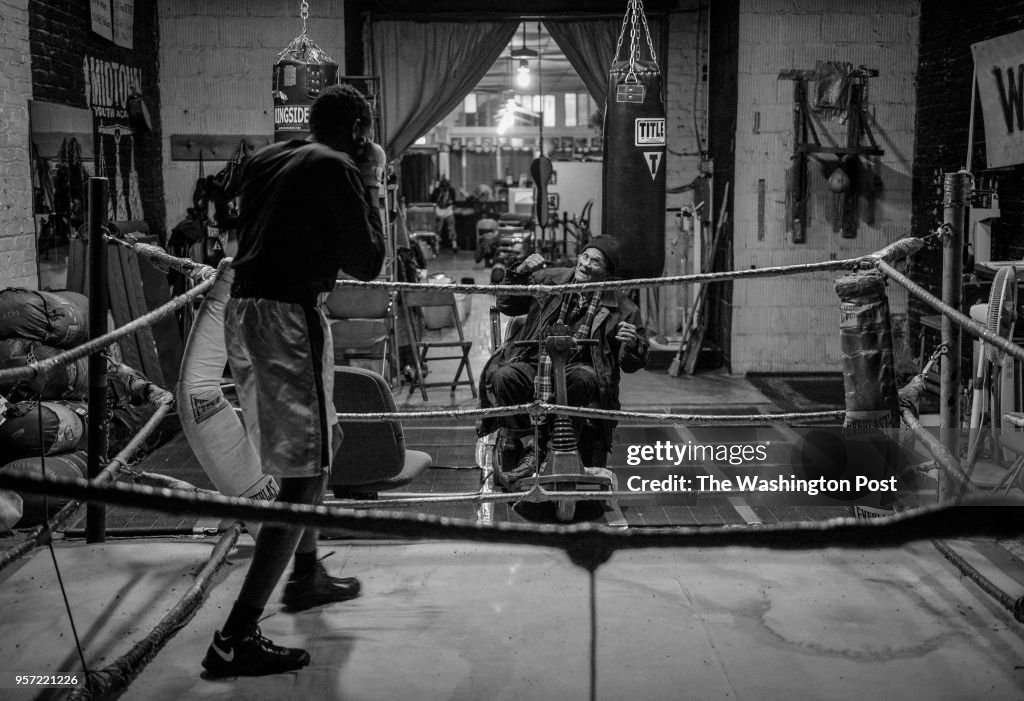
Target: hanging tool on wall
{"x":840,"y":91}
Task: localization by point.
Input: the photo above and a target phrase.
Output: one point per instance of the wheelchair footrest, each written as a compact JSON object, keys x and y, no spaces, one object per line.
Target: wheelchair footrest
{"x":595,"y":482}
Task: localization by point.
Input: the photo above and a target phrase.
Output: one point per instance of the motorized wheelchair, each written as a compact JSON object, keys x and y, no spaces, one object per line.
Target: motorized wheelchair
{"x":569,"y":463}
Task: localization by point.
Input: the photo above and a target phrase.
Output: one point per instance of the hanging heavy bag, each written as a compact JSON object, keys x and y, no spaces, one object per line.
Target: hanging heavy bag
{"x":540,"y":172}
{"x":633,"y":173}
{"x":216,"y":434}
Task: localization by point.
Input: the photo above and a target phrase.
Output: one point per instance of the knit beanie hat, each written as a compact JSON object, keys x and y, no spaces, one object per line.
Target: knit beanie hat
{"x":609,"y":246}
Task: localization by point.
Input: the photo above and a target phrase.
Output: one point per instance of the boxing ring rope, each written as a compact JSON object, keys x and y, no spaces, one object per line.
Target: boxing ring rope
{"x":878,"y":259}
{"x":115,"y":677}
{"x":587,"y":545}
{"x":944,"y":521}
{"x":43,"y":532}
{"x":540,"y":408}
{"x":42,"y":368}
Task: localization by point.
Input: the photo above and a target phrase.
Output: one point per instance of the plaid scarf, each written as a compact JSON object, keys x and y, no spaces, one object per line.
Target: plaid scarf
{"x":544,"y":383}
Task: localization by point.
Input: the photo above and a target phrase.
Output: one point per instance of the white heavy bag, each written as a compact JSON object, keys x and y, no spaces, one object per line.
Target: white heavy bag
{"x":213,"y":429}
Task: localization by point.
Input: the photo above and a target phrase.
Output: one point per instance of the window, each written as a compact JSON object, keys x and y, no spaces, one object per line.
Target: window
{"x":570,"y":110}
{"x":585,"y":106}
{"x":545,"y":104}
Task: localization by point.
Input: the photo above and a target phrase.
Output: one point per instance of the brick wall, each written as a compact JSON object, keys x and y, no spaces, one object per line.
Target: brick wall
{"x":17,"y":233}
{"x":791,"y":324}
{"x":943,"y":116}
{"x":215,"y":73}
{"x":74,"y":66}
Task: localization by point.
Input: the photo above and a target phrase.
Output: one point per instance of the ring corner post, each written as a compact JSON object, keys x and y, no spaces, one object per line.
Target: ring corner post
{"x":956,"y":189}
{"x":96,"y":514}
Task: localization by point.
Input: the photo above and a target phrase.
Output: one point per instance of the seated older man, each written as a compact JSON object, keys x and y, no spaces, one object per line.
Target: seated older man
{"x":515,"y":374}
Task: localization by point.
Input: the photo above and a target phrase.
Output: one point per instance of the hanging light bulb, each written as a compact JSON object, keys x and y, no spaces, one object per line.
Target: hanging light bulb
{"x":523,"y":74}
{"x":523,"y":55}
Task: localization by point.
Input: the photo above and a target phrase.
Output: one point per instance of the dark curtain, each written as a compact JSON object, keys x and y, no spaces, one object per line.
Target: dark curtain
{"x":417,"y":176}
{"x":590,"y":47}
{"x":430,"y":68}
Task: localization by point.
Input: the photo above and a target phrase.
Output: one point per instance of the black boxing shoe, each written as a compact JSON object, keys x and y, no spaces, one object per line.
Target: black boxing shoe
{"x":317,"y":589}
{"x":250,"y":655}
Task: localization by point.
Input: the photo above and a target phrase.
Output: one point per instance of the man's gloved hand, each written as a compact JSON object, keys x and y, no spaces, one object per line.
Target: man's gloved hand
{"x":534,"y":261}
{"x":372,"y":163}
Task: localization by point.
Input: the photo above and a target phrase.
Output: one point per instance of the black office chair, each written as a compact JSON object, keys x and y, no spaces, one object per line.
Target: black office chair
{"x":372,"y":457}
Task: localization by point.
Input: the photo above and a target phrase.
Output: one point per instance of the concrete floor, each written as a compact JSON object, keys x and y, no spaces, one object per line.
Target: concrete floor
{"x":443,"y":620}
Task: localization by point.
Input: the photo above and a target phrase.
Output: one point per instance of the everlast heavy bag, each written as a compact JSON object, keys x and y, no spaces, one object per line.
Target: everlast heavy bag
{"x":68,"y":382}
{"x":58,"y":319}
{"x":302,"y":71}
{"x":63,"y":428}
{"x":633,"y":173}
{"x":214,"y":431}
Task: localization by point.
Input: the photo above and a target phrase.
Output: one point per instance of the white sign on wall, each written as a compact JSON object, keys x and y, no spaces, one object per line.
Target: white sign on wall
{"x":999,"y":70}
{"x":124,"y":22}
{"x":101,"y":22}
{"x":114,"y":20}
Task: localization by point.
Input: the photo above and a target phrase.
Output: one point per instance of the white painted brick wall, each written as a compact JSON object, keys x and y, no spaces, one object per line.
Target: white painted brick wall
{"x":791,"y":324}
{"x":17,"y":231}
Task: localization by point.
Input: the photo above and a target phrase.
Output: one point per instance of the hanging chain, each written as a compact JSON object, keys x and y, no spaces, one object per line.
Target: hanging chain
{"x":647,"y":31}
{"x":632,"y":41}
{"x":302,"y":47}
{"x":633,"y":17}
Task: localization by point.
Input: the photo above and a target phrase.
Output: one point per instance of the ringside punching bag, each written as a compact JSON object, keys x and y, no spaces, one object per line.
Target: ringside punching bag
{"x":301,"y":72}
{"x":633,"y":174}
{"x":216,"y":434}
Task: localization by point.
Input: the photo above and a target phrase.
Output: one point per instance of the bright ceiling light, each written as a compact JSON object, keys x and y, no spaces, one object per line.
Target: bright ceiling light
{"x":523,"y":74}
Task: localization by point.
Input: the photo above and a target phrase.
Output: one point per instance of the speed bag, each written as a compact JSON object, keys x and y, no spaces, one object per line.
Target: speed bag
{"x":213,"y":429}
{"x":633,"y":173}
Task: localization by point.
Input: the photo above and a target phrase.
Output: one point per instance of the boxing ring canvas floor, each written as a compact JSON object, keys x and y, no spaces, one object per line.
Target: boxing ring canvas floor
{"x":452,"y":620}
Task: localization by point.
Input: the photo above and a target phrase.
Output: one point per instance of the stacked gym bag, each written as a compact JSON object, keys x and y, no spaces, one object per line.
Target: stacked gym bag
{"x":43,"y":415}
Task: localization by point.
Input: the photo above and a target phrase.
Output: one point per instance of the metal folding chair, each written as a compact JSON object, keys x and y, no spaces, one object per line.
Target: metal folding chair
{"x":414,"y":300}
{"x":362,"y":328}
